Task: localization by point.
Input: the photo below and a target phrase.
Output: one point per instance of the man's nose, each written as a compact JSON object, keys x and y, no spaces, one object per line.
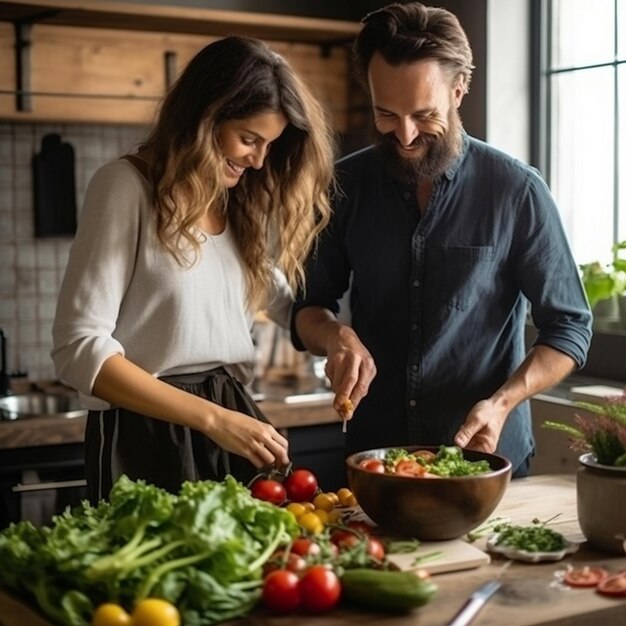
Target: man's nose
{"x":406,"y":132}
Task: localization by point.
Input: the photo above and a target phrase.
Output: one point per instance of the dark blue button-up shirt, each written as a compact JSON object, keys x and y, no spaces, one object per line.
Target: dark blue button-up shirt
{"x":441,"y":301}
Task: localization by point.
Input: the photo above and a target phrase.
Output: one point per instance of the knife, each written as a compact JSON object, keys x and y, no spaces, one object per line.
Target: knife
{"x":475,"y":603}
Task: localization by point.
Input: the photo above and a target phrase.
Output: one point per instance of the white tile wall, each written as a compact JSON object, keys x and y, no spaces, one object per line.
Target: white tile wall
{"x":31,"y":269}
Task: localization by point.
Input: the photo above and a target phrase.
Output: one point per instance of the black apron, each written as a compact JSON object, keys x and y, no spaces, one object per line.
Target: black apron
{"x":118,"y":441}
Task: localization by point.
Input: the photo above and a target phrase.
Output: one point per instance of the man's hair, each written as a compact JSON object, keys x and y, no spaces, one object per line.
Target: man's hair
{"x":404,"y":33}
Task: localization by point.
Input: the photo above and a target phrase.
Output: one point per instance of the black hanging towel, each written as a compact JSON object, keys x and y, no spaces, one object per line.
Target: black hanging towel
{"x":55,"y":188}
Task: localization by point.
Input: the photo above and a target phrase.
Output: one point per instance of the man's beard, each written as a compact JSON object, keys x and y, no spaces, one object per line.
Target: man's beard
{"x":440,"y":153}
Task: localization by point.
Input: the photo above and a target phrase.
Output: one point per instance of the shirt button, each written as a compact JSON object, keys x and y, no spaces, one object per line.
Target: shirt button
{"x":412,"y":403}
{"x":416,"y":283}
{"x":413,"y":326}
{"x":406,"y":195}
{"x":414,"y":367}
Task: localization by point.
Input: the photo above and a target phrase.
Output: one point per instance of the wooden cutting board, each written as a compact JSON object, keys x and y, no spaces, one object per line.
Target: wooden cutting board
{"x":14,"y":613}
{"x":447,"y":556}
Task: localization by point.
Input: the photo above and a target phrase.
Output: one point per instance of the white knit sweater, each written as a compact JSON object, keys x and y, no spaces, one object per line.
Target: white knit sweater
{"x":123,"y":293}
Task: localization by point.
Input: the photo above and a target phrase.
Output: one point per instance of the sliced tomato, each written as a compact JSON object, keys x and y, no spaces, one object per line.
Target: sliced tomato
{"x":373,"y":465}
{"x":585,"y":576}
{"x":426,"y":455}
{"x":613,"y":585}
{"x":409,"y":468}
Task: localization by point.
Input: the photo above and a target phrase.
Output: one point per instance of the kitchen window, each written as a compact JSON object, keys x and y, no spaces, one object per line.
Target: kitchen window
{"x":580,"y":141}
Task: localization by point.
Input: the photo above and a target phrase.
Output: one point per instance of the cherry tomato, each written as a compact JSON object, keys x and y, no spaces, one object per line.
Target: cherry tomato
{"x":360,"y":526}
{"x":155,"y":612}
{"x":281,"y":591}
{"x":320,"y":589}
{"x":585,"y":576}
{"x":374,"y":546}
{"x":279,"y":560}
{"x":305,"y":547}
{"x":110,"y":614}
{"x":613,"y":585}
{"x":346,"y":497}
{"x":373,"y":465}
{"x":268,"y":490}
{"x":301,"y":485}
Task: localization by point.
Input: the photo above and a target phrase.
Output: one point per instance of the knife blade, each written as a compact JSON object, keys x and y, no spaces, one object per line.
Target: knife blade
{"x":475,"y":603}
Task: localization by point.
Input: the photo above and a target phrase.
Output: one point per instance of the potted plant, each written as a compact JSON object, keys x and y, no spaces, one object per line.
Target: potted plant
{"x":600,"y":435}
{"x":605,"y":285}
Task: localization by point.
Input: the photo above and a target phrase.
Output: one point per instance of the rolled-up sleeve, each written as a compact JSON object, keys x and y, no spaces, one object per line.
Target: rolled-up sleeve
{"x":549,"y":277}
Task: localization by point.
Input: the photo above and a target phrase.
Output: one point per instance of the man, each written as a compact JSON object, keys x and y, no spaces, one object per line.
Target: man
{"x":443,"y":240}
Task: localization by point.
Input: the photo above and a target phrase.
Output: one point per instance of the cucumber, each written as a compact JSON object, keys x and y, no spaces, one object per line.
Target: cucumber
{"x":386,"y":589}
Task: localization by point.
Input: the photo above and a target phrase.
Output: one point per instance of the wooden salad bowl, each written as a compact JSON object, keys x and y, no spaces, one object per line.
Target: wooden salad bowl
{"x":429,"y":509}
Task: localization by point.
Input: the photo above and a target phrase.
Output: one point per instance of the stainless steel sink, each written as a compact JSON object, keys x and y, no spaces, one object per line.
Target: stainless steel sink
{"x":26,"y":405}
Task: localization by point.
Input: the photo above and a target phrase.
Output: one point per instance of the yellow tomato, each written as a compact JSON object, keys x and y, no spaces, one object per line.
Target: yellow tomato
{"x":296,"y":509}
{"x":155,"y":612}
{"x":346,"y":497}
{"x":311,"y":523}
{"x":324,"y":501}
{"x":309,"y":506}
{"x":334,"y":516}
{"x":323,"y":515}
{"x":110,"y":614}
{"x":333,"y":497}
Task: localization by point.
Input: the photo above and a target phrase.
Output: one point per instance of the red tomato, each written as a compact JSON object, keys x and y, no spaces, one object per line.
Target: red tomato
{"x":301,"y":485}
{"x":281,"y":591}
{"x":268,"y":490}
{"x":373,"y":465}
{"x":320,"y":589}
{"x":360,"y":526}
{"x":303,"y":546}
{"x":409,"y":468}
{"x":292,"y":562}
{"x":375,"y":547}
{"x":585,"y":576}
{"x":613,"y":585}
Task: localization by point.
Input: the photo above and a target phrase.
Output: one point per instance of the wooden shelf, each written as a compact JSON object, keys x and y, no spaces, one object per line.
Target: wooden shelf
{"x":212,"y":22}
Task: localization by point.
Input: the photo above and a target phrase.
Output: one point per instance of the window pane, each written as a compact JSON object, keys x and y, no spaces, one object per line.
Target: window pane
{"x":621,"y":179}
{"x":621,"y":29}
{"x":583,"y":32}
{"x":582,"y":161}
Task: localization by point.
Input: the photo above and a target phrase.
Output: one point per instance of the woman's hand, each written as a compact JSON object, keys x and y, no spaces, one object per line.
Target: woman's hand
{"x":248,"y":437}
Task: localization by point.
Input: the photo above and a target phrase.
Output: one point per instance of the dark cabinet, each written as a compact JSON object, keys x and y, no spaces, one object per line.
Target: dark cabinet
{"x":320,"y":448}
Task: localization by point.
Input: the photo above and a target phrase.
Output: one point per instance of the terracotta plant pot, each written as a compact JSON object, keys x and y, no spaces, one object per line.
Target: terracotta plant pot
{"x":600,"y":494}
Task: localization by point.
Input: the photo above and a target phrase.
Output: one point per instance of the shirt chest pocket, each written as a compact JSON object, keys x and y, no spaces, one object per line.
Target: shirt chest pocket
{"x":466,"y":272}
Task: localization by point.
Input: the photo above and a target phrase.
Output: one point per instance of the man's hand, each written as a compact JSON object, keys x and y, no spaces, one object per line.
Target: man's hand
{"x":482,"y":427}
{"x":350,"y":368}
{"x":349,"y":365}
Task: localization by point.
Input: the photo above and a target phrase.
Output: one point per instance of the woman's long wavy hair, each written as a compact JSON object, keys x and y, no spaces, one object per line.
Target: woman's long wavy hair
{"x":276,"y":212}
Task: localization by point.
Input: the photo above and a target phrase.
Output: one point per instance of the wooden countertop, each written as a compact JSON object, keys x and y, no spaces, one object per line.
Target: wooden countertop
{"x":55,"y":430}
{"x":527,"y":597}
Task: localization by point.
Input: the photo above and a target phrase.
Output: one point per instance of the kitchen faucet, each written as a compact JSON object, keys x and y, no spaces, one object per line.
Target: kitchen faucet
{"x":5,"y":382}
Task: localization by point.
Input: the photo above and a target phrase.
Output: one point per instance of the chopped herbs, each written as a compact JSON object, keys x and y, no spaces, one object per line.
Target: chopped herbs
{"x":535,"y":538}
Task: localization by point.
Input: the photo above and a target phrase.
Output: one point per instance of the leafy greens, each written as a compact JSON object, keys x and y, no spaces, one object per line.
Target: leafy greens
{"x":202,"y":549}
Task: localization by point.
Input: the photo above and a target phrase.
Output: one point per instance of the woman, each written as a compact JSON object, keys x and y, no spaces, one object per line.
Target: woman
{"x":177,"y":246}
